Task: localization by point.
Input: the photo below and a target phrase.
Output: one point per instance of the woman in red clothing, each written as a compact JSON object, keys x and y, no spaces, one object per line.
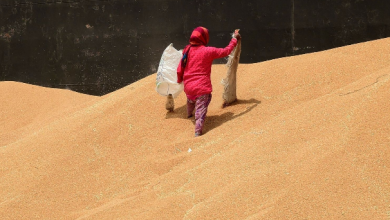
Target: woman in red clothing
{"x":195,"y":69}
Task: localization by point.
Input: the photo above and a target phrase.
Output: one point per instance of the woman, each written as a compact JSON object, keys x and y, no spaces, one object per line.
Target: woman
{"x":195,"y":69}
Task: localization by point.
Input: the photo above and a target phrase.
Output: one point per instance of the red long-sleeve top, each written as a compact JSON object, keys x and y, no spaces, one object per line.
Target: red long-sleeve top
{"x":197,"y":72}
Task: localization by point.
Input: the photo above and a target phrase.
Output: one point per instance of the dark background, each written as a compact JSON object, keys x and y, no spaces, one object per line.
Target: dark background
{"x":99,"y":46}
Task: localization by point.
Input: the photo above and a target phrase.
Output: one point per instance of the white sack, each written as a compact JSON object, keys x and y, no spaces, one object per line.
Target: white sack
{"x":166,"y":81}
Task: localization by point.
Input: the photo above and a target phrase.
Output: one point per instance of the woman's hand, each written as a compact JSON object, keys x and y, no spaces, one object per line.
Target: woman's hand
{"x":237,"y":36}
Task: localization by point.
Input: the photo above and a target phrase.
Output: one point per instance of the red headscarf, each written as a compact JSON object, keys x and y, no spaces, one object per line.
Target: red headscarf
{"x":199,"y":36}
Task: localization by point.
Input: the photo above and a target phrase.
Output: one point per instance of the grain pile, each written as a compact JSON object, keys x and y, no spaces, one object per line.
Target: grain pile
{"x":309,"y":138}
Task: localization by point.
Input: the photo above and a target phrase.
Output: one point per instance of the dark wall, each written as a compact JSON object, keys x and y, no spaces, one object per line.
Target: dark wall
{"x":99,"y":46}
